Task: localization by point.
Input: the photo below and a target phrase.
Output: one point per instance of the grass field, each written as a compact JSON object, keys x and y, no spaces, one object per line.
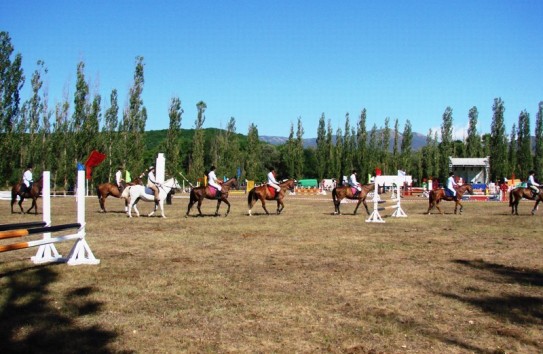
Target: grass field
{"x":305,"y":281}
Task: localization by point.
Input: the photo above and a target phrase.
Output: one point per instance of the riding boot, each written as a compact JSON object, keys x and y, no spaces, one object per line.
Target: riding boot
{"x":218,"y":195}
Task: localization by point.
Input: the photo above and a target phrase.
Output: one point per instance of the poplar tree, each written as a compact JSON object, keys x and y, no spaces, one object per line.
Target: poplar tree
{"x":35,"y":114}
{"x":110,"y":137}
{"x":299,"y":151}
{"x":321,"y":153}
{"x":473,"y":142}
{"x":348,"y":148}
{"x":384,"y":147}
{"x":172,"y":148}
{"x":233,"y":160}
{"x":524,"y":145}
{"x":11,"y":82}
{"x":395,"y":158}
{"x":338,"y":153}
{"x":253,"y":168}
{"x":446,"y":146}
{"x":288,"y":152}
{"x":61,"y":144}
{"x":406,"y":154}
{"x":498,"y":142}
{"x":538,"y":156}
{"x":196,"y":167}
{"x":136,"y":119}
{"x":330,"y":152}
{"x":512,"y":157}
{"x":79,"y":116}
{"x":361,"y":145}
{"x":373,"y":150}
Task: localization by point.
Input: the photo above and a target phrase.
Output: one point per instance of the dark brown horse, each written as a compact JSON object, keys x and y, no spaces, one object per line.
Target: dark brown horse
{"x":110,"y":189}
{"x":33,"y":193}
{"x":198,"y":194}
{"x":516,"y":195}
{"x":341,"y":192}
{"x":437,"y":195}
{"x":264,"y":193}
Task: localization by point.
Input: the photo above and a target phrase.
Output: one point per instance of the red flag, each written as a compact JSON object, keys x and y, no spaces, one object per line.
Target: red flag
{"x":95,"y":158}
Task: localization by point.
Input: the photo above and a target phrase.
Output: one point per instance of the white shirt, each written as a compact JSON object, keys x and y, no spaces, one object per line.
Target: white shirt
{"x":27,"y":178}
{"x":532,"y":182}
{"x":352,"y":180}
{"x":211,"y":177}
{"x":451,"y":183}
{"x":271,"y":178}
{"x":118,"y":177}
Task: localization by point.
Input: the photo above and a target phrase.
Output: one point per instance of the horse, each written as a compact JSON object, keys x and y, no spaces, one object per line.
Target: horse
{"x":110,"y":189}
{"x":437,"y":195}
{"x":515,"y":196}
{"x":265,"y":192}
{"x":341,"y":192}
{"x":33,"y":193}
{"x":198,"y":194}
{"x":136,"y":192}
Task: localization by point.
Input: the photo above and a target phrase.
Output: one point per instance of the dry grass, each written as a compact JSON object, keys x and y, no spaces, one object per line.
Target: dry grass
{"x":305,"y":281}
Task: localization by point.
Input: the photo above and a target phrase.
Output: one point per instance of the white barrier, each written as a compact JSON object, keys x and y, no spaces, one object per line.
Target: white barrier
{"x":398,"y":213}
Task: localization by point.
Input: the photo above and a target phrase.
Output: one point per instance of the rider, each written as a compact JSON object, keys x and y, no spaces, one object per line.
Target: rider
{"x":151,"y":182}
{"x":213,"y":181}
{"x":451,"y":184}
{"x":354,"y":183}
{"x":532,"y":184}
{"x":119,"y":179}
{"x":272,"y":182}
{"x":27,"y":180}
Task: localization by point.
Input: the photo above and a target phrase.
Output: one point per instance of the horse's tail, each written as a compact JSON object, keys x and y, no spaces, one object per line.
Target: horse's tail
{"x":98,"y":194}
{"x":334,"y":195}
{"x":431,"y":197}
{"x":251,"y":197}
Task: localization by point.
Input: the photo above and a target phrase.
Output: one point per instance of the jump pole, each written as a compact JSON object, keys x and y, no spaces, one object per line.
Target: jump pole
{"x":375,"y":216}
{"x":47,"y":253}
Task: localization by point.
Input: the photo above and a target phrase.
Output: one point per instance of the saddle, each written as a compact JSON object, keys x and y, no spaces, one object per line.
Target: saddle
{"x":273,"y":192}
{"x":149,"y":191}
{"x":214,"y":192}
{"x":449,"y":193}
{"x":354,"y":191}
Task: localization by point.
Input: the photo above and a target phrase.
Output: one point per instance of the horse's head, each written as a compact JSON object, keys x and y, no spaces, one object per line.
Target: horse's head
{"x":469,"y":188}
{"x":233,"y":183}
{"x":290,"y":184}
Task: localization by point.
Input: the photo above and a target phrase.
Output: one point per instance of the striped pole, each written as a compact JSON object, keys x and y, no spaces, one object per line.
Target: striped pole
{"x":37,"y":230}
{"x":22,"y":225}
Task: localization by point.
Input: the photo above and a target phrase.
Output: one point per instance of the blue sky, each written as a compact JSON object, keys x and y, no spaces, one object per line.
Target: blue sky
{"x":271,"y":62}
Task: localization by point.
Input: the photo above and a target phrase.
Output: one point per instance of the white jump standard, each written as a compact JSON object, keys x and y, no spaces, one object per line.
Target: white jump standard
{"x":398,"y":213}
{"x":47,"y":252}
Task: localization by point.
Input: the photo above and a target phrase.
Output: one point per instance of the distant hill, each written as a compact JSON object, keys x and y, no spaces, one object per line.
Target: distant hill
{"x":419,"y":141}
{"x":155,"y":137}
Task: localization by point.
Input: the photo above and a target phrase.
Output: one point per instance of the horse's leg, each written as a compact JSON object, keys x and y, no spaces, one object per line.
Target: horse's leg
{"x":154,"y":209}
{"x":218,"y":206}
{"x":199,"y":205}
{"x":437,"y":206}
{"x":535,"y":207}
{"x":357,"y":205}
{"x":21,"y":204}
{"x":366,"y":206}
{"x":191,"y":203}
{"x":33,"y":206}
{"x":161,"y":204}
{"x":458,"y":202}
{"x":227,"y":210}
{"x":264,"y":205}
{"x":280,"y":206}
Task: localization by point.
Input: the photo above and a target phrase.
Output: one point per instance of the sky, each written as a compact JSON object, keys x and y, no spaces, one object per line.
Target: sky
{"x":272,"y":62}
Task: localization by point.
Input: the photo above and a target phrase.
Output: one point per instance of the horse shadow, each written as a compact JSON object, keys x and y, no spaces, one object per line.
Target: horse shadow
{"x":47,"y":327}
{"x":204,"y":215}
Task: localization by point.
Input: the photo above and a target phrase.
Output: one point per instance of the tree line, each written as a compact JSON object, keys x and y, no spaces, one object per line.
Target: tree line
{"x":57,"y":138}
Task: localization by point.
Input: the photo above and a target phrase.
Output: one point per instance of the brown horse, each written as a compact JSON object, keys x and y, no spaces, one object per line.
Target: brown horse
{"x":263,"y":193}
{"x":341,"y":192}
{"x":516,"y":195}
{"x":33,"y":193}
{"x":110,"y":189}
{"x":198,"y":194}
{"x":437,"y":195}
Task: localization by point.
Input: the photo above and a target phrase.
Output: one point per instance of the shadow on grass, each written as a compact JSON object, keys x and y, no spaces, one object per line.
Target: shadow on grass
{"x":32,"y":322}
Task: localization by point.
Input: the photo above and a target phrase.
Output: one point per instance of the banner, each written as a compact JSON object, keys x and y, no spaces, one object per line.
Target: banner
{"x":95,"y":158}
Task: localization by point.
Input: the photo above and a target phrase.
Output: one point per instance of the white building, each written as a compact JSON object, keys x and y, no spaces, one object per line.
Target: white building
{"x":471,"y":169}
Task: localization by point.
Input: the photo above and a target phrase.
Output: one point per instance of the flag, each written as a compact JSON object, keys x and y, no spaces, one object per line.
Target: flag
{"x":95,"y":158}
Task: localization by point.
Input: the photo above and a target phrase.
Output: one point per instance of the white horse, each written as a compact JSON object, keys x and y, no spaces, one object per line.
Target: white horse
{"x":136,"y":192}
